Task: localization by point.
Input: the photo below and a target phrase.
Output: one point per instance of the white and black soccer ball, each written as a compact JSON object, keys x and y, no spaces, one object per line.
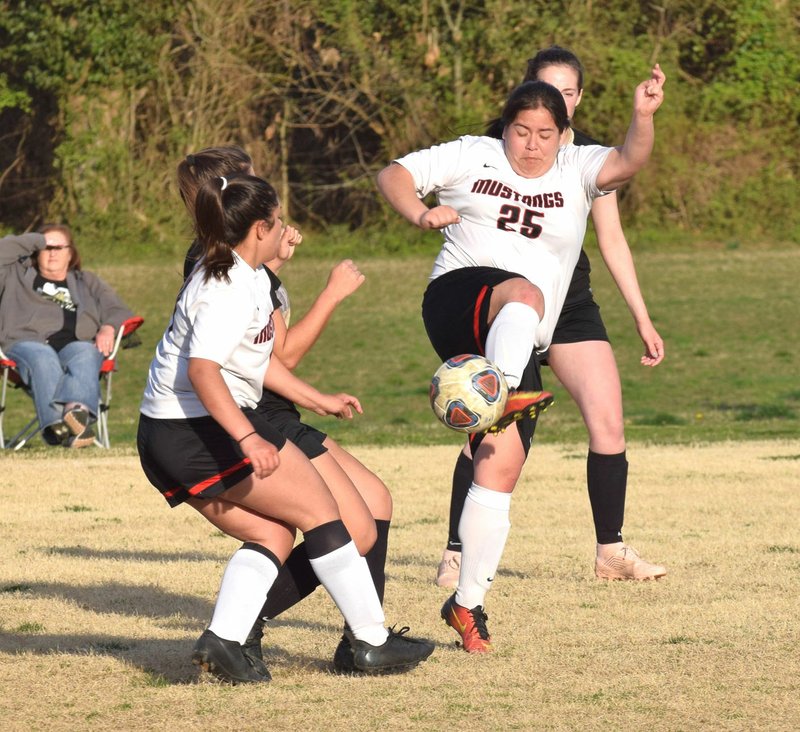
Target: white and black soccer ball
{"x":468,"y":393}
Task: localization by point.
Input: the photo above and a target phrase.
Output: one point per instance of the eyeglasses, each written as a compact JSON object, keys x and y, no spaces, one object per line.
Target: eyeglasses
{"x":53,"y":248}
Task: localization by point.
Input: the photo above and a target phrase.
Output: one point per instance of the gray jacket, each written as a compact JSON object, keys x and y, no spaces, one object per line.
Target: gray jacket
{"x":26,"y":316}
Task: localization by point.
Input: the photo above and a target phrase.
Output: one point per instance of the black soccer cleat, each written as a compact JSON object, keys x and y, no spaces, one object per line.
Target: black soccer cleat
{"x":343,"y":660}
{"x":227,"y":661}
{"x":252,"y":646}
{"x":397,"y":654}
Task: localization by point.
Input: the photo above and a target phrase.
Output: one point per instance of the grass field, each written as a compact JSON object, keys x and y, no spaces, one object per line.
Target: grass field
{"x":103,"y":591}
{"x":728,"y":318}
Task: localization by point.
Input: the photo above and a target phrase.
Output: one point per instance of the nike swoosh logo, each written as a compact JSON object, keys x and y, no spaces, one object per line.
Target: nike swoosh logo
{"x":486,"y":165}
{"x":461,"y":628}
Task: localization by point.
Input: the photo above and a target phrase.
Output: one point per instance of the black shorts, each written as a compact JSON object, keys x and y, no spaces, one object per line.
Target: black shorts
{"x":580,"y":321}
{"x":455,"y":310}
{"x":284,"y":417}
{"x":196,"y":458}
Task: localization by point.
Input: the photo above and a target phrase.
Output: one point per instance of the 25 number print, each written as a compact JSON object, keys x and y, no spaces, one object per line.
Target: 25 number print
{"x":510,"y":215}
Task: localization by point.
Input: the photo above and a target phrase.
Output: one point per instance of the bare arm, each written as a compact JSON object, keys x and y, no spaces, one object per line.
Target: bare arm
{"x":396,"y":185}
{"x":624,"y":162}
{"x":292,"y":344}
{"x":213,"y":392}
{"x":279,"y":379}
{"x":617,"y":256}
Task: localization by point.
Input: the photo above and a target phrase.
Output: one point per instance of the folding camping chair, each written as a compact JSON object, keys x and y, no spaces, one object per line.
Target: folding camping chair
{"x":11,"y":378}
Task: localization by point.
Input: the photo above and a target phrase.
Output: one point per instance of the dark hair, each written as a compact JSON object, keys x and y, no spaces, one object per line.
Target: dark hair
{"x":225,"y":209}
{"x":212,"y":162}
{"x":74,"y":255}
{"x":554,"y":56}
{"x":536,"y":95}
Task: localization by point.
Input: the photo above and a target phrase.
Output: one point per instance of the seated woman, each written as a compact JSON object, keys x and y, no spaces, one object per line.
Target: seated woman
{"x":58,"y":323}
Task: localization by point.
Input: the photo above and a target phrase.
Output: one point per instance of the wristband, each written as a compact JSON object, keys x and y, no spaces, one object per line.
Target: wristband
{"x":239,"y":442}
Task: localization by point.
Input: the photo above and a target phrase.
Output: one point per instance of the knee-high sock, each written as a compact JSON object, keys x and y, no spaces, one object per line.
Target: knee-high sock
{"x":376,"y":557}
{"x":462,"y":480}
{"x":245,"y":583}
{"x":345,"y":575}
{"x":510,"y":340}
{"x":484,"y":529}
{"x":607,"y":480}
{"x":296,"y":580}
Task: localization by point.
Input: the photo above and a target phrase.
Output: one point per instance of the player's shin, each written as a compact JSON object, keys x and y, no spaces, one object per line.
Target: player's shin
{"x":511,"y":338}
{"x":483,"y":529}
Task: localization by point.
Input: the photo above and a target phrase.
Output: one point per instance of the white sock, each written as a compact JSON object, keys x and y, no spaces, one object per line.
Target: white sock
{"x":345,"y":575}
{"x":245,"y":584}
{"x":483,"y":530}
{"x":511,"y":339}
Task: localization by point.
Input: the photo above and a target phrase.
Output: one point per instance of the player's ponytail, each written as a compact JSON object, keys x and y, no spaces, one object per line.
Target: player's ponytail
{"x":212,"y":162}
{"x":225,"y":210}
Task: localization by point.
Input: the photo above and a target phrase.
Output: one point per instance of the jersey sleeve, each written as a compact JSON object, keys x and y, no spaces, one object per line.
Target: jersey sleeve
{"x":589,"y":160}
{"x":439,"y":166}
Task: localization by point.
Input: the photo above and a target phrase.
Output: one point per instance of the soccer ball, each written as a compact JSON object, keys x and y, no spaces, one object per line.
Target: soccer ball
{"x":468,"y":393}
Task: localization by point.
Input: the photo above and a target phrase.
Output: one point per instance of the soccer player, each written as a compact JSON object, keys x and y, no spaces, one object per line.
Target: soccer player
{"x":201,"y":441}
{"x":513,"y":216}
{"x":582,"y":359}
{"x":363,"y":499}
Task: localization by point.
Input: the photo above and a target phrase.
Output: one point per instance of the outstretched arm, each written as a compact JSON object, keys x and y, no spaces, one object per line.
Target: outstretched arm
{"x":617,"y":256}
{"x":397,"y":186}
{"x":624,"y":162}
{"x":282,"y":381}
{"x":292,"y":344}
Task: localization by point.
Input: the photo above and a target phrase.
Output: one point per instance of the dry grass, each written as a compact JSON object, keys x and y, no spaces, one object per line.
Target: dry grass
{"x":103,"y":591}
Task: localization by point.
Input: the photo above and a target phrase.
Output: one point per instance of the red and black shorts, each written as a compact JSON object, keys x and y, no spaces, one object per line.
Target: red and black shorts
{"x":455,"y":310}
{"x":196,"y":458}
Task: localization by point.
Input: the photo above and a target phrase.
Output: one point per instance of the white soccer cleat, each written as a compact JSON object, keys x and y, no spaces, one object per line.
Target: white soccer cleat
{"x":626,"y":564}
{"x":449,"y":569}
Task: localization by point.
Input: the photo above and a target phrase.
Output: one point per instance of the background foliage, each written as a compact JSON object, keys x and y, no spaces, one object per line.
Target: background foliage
{"x":98,"y":101}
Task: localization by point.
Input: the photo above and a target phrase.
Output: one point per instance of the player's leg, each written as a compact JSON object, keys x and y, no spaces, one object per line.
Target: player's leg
{"x":483,"y":530}
{"x":351,"y":475}
{"x":450,"y":563}
{"x":588,"y":371}
{"x":365,"y":506}
{"x":297,"y":495}
{"x":246,"y":580}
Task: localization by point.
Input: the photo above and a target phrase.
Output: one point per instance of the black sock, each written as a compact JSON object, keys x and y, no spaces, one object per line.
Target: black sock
{"x":296,"y":580}
{"x":462,"y":480}
{"x":607,"y":479}
{"x":376,"y":557}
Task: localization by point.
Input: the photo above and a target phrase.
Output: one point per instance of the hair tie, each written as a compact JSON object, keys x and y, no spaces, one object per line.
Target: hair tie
{"x":191,"y":160}
{"x":224,"y":182}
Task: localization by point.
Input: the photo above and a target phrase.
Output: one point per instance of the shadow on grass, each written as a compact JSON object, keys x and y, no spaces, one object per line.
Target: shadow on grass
{"x":163,"y":662}
{"x":136,"y":556}
{"x":129,"y":600}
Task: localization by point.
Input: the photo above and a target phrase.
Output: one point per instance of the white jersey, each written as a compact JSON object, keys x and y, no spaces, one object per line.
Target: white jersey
{"x":531,"y":226}
{"x":229,"y":323}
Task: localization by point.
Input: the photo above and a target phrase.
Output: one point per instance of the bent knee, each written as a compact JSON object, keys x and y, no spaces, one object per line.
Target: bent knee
{"x":518,"y":290}
{"x":364,"y":537}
